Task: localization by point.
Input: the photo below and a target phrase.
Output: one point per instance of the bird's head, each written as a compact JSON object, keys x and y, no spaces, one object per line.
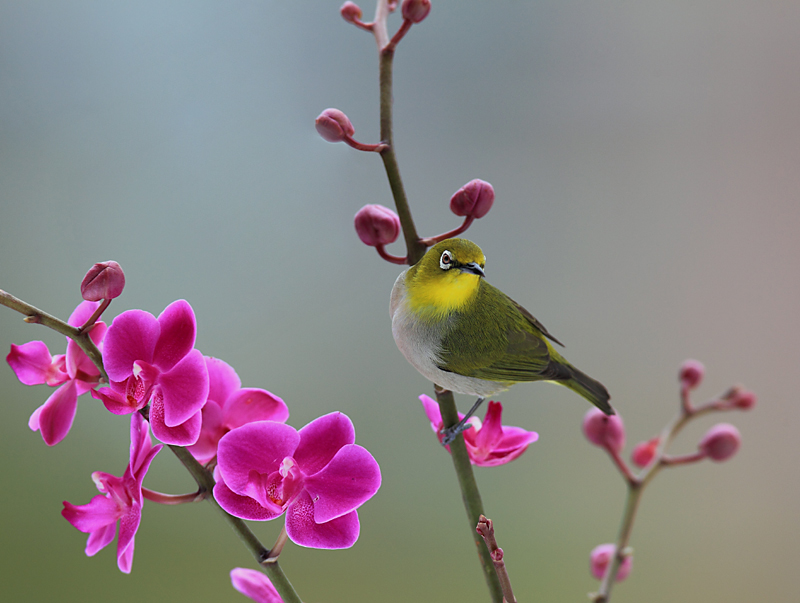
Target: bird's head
{"x":447,"y":277}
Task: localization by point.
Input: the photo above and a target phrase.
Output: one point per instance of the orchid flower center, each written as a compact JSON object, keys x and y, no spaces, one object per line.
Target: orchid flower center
{"x":286,"y":483}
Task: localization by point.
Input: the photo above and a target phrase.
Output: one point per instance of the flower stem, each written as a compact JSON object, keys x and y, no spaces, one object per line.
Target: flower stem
{"x":206,"y":483}
{"x":470,"y":494}
{"x":36,"y":316}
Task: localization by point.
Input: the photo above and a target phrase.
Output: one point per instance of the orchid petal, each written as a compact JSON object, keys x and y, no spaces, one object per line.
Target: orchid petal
{"x":206,"y":446}
{"x":321,"y":439}
{"x":339,"y":533}
{"x":114,"y":400}
{"x":98,"y":513}
{"x":58,"y":413}
{"x":185,"y":388}
{"x":254,"y":584}
{"x":184,"y":434}
{"x":142,"y":450}
{"x":132,"y":336}
{"x":250,"y":404}
{"x":260,"y":446}
{"x":31,"y":362}
{"x":348,"y":481}
{"x":433,"y":412}
{"x":100,"y":538}
{"x":491,"y":431}
{"x":82,"y":312}
{"x":128,"y":524}
{"x":243,"y":507}
{"x":178,"y":330}
{"x":222,"y":380}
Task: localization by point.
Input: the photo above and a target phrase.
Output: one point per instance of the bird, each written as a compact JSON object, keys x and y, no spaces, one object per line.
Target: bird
{"x":467,"y":336}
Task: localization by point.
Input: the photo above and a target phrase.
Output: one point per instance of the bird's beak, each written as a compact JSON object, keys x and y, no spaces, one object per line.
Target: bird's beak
{"x":473,"y":268}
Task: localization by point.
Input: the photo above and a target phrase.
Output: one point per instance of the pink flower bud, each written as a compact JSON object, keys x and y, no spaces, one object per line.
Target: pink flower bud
{"x":350,"y":12}
{"x":105,"y":280}
{"x":474,"y":199}
{"x":416,"y":10}
{"x":740,"y":398}
{"x":600,"y":558}
{"x":691,"y":374}
{"x":644,"y":452}
{"x":720,"y":442}
{"x":334,"y":126}
{"x":377,"y":225}
{"x":604,"y":430}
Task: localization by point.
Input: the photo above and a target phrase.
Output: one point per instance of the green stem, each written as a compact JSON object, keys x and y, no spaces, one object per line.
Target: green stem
{"x":36,"y":316}
{"x":469,"y":492}
{"x":206,"y":482}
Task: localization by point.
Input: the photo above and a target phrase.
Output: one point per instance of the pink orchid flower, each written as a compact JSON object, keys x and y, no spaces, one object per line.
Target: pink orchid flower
{"x":318,"y":476}
{"x":254,"y":584}
{"x":488,"y":443}
{"x":121,"y":500}
{"x":74,"y":372}
{"x":229,"y":406}
{"x":151,"y":360}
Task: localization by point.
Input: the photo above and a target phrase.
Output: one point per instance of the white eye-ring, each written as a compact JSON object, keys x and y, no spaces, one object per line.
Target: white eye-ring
{"x":446,"y":261}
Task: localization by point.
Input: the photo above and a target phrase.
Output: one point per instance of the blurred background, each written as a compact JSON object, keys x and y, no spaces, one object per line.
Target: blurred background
{"x":646,"y":160}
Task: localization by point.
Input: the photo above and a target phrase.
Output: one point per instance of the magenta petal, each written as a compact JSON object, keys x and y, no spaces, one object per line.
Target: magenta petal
{"x":259,"y":447}
{"x":113,"y":399}
{"x":349,"y":480}
{"x":128,"y":524}
{"x":254,"y":584}
{"x":184,"y":434}
{"x":132,"y":336}
{"x":178,"y":329}
{"x":250,"y":404}
{"x":491,"y":432}
{"x":222,"y":380}
{"x":82,"y":313}
{"x":321,"y":439}
{"x":339,"y":533}
{"x":243,"y":507}
{"x":142,"y":450}
{"x":33,"y":422}
{"x":185,"y":388}
{"x":98,"y":513}
{"x":206,"y":446}
{"x":100,"y":538}
{"x":30,"y":362}
{"x":57,"y":414}
{"x":433,"y":412}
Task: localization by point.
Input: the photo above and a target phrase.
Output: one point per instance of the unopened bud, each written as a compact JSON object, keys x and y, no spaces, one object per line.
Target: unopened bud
{"x":334,"y":126}
{"x":600,"y":558}
{"x":644,"y":452}
{"x":691,"y":373}
{"x":416,"y":10}
{"x":720,"y":442}
{"x":350,"y":12}
{"x":474,"y":199}
{"x":105,"y":280}
{"x":740,"y":398}
{"x":377,"y":225}
{"x":604,"y":430}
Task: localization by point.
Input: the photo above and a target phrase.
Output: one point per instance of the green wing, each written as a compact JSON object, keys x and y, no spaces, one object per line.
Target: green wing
{"x":498,"y":340}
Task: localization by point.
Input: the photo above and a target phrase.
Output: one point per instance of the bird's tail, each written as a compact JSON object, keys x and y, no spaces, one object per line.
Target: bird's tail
{"x":592,"y":390}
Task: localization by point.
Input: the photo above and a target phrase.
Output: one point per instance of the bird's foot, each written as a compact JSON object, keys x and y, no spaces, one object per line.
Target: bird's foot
{"x":451,"y":433}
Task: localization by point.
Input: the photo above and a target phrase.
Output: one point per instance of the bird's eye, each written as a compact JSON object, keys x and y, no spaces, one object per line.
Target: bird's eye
{"x":446,"y":260}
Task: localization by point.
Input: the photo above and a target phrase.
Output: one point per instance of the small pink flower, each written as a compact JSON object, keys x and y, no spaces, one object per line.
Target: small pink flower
{"x":254,"y":584}
{"x":318,"y":476}
{"x":644,"y":452}
{"x":73,"y":371}
{"x":488,"y":443}
{"x":474,"y":199}
{"x":120,"y":500}
{"x":229,"y":406}
{"x":151,"y":360}
{"x":606,"y":431}
{"x":377,"y":225}
{"x":601,"y":557}
{"x":691,"y":374}
{"x":105,"y":280}
{"x":721,"y":442}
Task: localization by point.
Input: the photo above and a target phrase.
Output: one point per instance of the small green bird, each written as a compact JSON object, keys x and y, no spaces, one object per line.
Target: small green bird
{"x":469,"y":337}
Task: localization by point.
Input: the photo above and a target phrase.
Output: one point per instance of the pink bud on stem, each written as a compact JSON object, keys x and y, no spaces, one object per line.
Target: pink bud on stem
{"x":104,"y":281}
{"x":601,"y":557}
{"x":721,"y":442}
{"x":607,"y":431}
{"x":334,"y":126}
{"x":378,"y":226}
{"x":473,"y":201}
{"x":414,"y":11}
{"x":351,"y":13}
{"x":644,"y":452}
{"x":690,"y":376}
